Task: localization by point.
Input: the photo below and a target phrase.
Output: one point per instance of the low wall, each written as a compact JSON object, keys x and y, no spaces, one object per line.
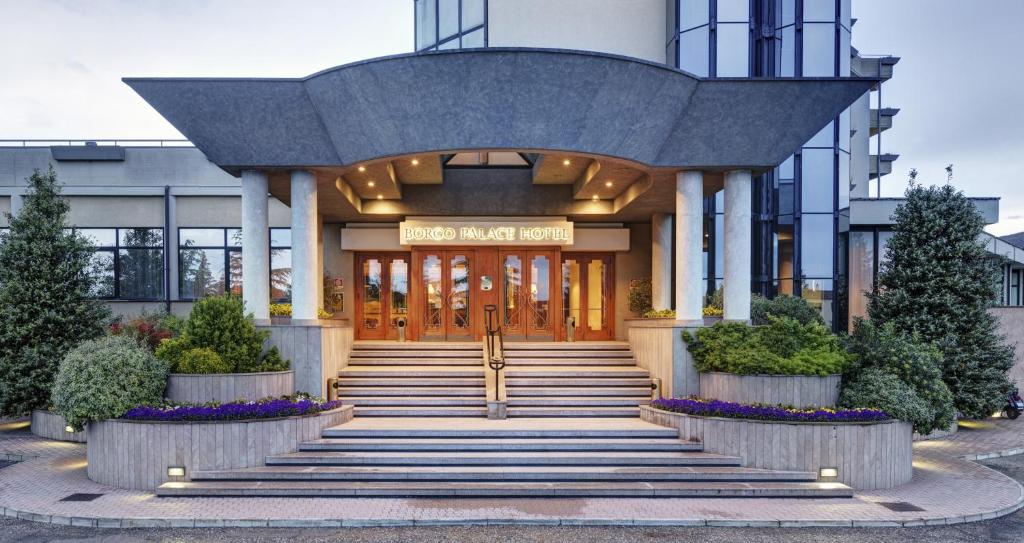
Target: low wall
{"x":659,"y":348}
{"x":1011,"y":326}
{"x":795,"y":390}
{"x":227,"y":387}
{"x":317,"y":351}
{"x":136,"y":454}
{"x":938,"y":434}
{"x":869,"y":456}
{"x":52,"y":425}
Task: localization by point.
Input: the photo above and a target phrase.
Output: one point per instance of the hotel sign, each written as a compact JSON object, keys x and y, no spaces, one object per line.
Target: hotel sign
{"x":485,"y":232}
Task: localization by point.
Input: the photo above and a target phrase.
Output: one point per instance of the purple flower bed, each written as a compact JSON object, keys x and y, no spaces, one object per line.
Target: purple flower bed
{"x":263,"y":409}
{"x":715,"y":408}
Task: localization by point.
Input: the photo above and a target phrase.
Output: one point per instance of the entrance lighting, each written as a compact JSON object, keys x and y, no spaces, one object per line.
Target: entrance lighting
{"x":608,"y":184}
{"x":362,"y":168}
{"x":566,"y":162}
{"x":370,"y":184}
{"x":415,"y":162}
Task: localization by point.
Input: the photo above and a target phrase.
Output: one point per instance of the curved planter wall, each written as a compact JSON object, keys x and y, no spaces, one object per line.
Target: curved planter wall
{"x":869,"y":456}
{"x":51,"y":426}
{"x":794,"y":390}
{"x":227,"y":387}
{"x":136,"y":454}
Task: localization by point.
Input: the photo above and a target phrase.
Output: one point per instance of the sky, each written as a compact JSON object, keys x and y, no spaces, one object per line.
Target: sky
{"x":959,"y":84}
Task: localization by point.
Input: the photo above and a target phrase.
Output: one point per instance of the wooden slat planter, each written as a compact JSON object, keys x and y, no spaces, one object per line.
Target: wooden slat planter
{"x":869,"y":456}
{"x":136,"y":454}
{"x":52,"y":425}
{"x":794,"y":390}
{"x":227,"y":387}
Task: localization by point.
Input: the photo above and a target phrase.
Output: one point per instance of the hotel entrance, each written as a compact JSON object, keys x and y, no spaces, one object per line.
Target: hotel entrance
{"x":441,"y":292}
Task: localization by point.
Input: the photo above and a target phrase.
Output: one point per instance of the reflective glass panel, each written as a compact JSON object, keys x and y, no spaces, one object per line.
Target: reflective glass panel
{"x":693,"y":51}
{"x":817,"y":181}
{"x":540,"y":292}
{"x":819,"y":10}
{"x":141,"y":276}
{"x":513,"y":291}
{"x":819,"y":295}
{"x":472,"y":13}
{"x":473,"y":39}
{"x":281,"y":275}
{"x":201,"y":273}
{"x":426,"y":32}
{"x":883,"y":246}
{"x":693,"y":13}
{"x":596,"y":317}
{"x":99,"y":237}
{"x":733,"y":11}
{"x":844,"y":53}
{"x":433,"y":295}
{"x":201,"y":237}
{"x":101,"y":267}
{"x":862,"y":273}
{"x":571,"y":291}
{"x":459,"y":300}
{"x":844,"y":180}
{"x":786,"y":60}
{"x":819,"y":50}
{"x":824,"y":138}
{"x":450,"y":44}
{"x":816,"y":245}
{"x":280,"y":237}
{"x":234,"y":237}
{"x":733,"y":50}
{"x":141,"y":237}
{"x":784,"y":251}
{"x":235,"y":272}
{"x":447,"y":18}
{"x":373,"y":271}
{"x":399,"y":290}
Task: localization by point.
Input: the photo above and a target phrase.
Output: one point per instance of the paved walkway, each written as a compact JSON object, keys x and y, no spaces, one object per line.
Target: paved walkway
{"x":949,"y":490}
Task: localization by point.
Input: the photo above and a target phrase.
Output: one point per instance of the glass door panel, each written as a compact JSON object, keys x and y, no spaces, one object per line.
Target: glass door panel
{"x":512,"y":294}
{"x":587,"y":295}
{"x":539,"y":323}
{"x":459,"y":296}
{"x":371,"y":318}
{"x":433,"y":297}
{"x":398,"y":293}
{"x":572,"y":294}
{"x":596,"y":296}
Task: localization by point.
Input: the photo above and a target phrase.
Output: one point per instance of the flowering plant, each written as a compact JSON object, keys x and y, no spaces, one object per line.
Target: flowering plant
{"x":267,"y":408}
{"x":714,"y":408}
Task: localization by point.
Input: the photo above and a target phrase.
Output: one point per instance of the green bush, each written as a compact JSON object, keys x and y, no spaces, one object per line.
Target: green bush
{"x":880,"y":389}
{"x":916,"y":364}
{"x":659,"y":314}
{"x":201,"y":360}
{"x":798,"y":309}
{"x":220,"y":325}
{"x":640,"y":297}
{"x":784,"y":347}
{"x":103,"y":378}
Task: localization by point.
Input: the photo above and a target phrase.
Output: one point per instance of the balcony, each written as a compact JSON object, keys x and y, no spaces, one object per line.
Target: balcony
{"x":881,"y":119}
{"x":880,"y":165}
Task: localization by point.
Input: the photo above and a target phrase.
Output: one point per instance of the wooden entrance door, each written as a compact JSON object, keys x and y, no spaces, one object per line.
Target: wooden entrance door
{"x":382,"y":297}
{"x":588,"y":295}
{"x":445,"y":297}
{"x":528,"y":300}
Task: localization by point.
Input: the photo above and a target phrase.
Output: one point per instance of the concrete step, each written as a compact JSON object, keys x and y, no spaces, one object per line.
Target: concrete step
{"x":420,"y":411}
{"x":564,"y":382}
{"x":410,"y":371}
{"x":372,"y":345}
{"x":569,"y":412}
{"x":566,"y":346}
{"x":411,"y":353}
{"x":521,"y":362}
{"x":447,"y":361}
{"x":577,"y":392}
{"x":577,"y":372}
{"x":499,"y":429}
{"x":319,"y":489}
{"x":505,"y":444}
{"x":538,"y":353}
{"x":585,"y":401}
{"x":393,"y":382}
{"x":502,"y":458}
{"x":416,"y":401}
{"x":358,"y":392}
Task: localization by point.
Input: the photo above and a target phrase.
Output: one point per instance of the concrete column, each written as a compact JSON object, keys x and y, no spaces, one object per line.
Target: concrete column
{"x":17,"y":201}
{"x":661,"y":261}
{"x":255,"y":246}
{"x":689,"y":242}
{"x":736,"y":291}
{"x":305,"y":262}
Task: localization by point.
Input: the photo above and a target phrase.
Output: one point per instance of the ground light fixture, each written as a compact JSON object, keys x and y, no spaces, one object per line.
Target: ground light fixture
{"x":828,"y":473}
{"x":380,"y":196}
{"x":594,"y":198}
{"x":175,"y":471}
{"x":69,"y":429}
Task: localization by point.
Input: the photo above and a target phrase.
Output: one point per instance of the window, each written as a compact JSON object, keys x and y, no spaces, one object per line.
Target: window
{"x":819,"y":50}
{"x":128,"y":263}
{"x":450,"y":24}
{"x":210,"y":263}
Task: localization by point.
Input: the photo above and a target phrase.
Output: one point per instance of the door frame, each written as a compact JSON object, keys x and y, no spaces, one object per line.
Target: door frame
{"x":417,"y":298}
{"x":583,"y":332}
{"x":526,"y":254}
{"x":386,"y":258}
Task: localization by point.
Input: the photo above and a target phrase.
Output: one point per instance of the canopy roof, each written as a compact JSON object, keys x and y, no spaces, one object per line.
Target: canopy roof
{"x":499,"y":98}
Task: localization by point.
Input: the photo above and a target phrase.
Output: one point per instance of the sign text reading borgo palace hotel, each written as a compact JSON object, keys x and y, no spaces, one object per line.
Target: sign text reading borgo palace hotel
{"x":485,"y":232}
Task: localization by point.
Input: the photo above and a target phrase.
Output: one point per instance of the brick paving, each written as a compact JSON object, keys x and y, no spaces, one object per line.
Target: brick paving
{"x":949,"y":488}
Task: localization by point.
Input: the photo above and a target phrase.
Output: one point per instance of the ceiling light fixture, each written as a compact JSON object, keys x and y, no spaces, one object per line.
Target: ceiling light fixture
{"x":566,"y":162}
{"x":370,"y":183}
{"x":595,"y":198}
{"x":380,"y":196}
{"x":608,"y":184}
{"x":362,"y":168}
{"x":415,"y":162}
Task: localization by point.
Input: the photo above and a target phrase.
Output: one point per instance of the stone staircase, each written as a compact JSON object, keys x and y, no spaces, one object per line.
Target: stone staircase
{"x":598,"y":379}
{"x":390,"y":379}
{"x":477,"y":457}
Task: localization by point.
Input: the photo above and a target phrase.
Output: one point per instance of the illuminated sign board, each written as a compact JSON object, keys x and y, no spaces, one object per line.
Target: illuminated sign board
{"x":485,"y":232}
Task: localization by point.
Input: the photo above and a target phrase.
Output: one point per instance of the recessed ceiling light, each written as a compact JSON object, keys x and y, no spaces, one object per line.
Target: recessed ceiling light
{"x":370,"y":183}
{"x":608,"y":184}
{"x":594,"y":197}
{"x":415,"y":162}
{"x":566,"y":162}
{"x":380,"y":196}
{"x":362,"y":168}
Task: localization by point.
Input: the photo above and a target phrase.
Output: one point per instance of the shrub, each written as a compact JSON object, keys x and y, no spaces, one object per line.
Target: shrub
{"x":220,"y":323}
{"x":915,"y":364}
{"x":882,"y":390}
{"x":640,"y":297}
{"x":798,"y":309}
{"x":712,"y":311}
{"x":170,"y":351}
{"x":272,"y":361}
{"x":285,"y":310}
{"x":784,"y":347}
{"x":201,"y":360}
{"x":47,"y":296}
{"x":103,"y":378}
{"x":716,"y":408}
{"x":659,"y":314}
{"x":149,"y":329}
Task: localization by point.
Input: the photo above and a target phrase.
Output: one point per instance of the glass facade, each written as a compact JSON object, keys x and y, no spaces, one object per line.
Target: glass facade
{"x":210,"y":263}
{"x":801,"y":209}
{"x":128,"y":263}
{"x":450,"y":24}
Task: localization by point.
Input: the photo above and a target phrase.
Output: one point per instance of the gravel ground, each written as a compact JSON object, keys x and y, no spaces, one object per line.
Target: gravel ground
{"x":1010,"y":528}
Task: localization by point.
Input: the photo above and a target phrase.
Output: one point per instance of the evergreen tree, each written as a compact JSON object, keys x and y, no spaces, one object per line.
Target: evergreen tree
{"x":937,"y":283}
{"x":45,"y":309}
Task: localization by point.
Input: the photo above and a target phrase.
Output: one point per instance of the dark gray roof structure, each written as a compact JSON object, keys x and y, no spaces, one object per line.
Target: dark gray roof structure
{"x":523,"y":99}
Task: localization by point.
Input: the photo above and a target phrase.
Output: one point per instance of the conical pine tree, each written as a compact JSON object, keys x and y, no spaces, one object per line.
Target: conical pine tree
{"x":45,"y":309}
{"x":937,"y":282}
